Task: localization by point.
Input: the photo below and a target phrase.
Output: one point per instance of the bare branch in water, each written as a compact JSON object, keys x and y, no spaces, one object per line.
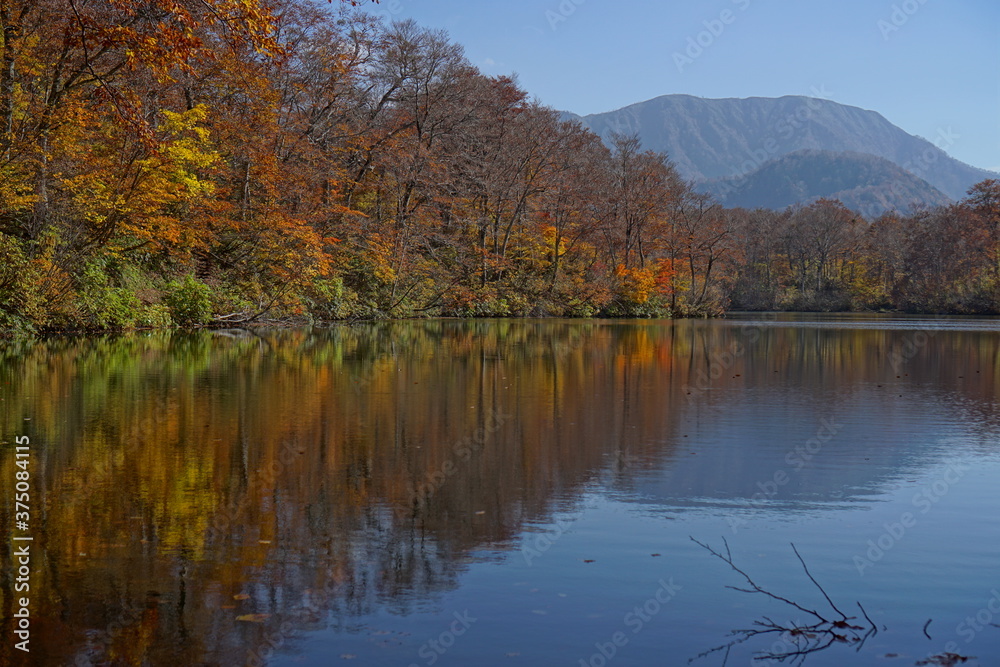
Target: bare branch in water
{"x":800,"y":639}
{"x":728,"y":560}
{"x":812,"y":579}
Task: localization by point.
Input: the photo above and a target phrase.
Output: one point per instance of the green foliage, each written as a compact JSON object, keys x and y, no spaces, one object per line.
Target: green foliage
{"x":20,"y":298}
{"x":328,"y":299}
{"x":189,"y":301}
{"x":580,"y":308}
{"x":105,"y":296}
{"x":155,"y":316}
{"x":230,"y":295}
{"x":655,"y":307}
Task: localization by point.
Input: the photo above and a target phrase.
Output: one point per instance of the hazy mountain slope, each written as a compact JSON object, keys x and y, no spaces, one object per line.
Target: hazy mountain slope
{"x":864,"y":183}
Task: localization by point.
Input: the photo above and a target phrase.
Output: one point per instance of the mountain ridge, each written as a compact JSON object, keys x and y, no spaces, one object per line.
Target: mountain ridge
{"x":724,"y":138}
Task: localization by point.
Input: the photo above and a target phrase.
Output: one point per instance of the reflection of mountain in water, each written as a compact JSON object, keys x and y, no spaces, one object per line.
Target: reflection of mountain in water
{"x":828,"y":421}
{"x":318,"y":475}
{"x":805,"y":456}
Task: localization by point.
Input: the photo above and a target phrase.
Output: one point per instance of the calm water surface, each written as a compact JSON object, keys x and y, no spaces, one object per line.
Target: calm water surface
{"x":509,"y":493}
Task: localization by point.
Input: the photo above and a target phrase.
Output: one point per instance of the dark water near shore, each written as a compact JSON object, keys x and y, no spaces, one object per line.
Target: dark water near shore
{"x":508,"y":492}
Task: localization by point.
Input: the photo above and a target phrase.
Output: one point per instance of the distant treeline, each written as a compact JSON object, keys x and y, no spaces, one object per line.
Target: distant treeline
{"x":194,"y":161}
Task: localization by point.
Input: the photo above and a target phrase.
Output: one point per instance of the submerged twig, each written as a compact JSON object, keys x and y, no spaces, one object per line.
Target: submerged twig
{"x":797,"y":640}
{"x":813,"y":579}
{"x":726,"y":647}
{"x":728,"y":560}
{"x":867,"y":618}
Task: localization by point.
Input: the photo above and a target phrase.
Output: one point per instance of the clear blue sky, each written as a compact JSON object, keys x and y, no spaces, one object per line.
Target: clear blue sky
{"x":931,"y":67}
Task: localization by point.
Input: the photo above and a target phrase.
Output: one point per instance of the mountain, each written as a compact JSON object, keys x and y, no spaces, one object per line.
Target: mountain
{"x":863,"y":182}
{"x":724,"y":138}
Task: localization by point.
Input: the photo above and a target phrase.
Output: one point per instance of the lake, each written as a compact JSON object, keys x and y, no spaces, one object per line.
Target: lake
{"x":509,"y":492}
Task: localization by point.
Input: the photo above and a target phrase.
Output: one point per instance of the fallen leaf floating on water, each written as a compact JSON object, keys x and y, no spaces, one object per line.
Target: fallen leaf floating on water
{"x":253,"y":618}
{"x":946,"y":659}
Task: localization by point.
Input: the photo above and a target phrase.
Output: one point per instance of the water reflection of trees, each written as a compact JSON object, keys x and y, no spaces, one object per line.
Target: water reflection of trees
{"x":178,"y":474}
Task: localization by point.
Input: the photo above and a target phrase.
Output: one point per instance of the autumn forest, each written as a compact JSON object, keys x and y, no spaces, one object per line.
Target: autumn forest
{"x":184,"y":162}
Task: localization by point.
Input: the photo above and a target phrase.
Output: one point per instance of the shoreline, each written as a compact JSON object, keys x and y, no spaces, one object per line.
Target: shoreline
{"x":286,"y":323}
